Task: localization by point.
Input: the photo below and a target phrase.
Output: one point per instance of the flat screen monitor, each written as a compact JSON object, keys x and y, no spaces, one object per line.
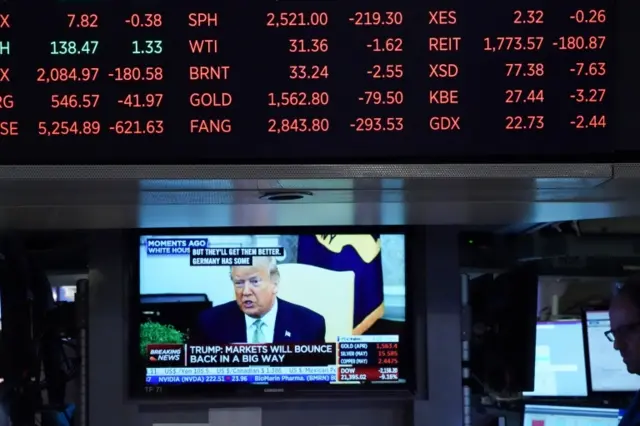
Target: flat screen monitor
{"x":560,"y":368}
{"x":552,"y":415}
{"x":217,"y":313}
{"x":608,"y":371}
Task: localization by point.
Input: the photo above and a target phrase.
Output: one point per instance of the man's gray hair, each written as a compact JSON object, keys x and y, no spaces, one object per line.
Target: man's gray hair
{"x":629,"y":288}
{"x":270,"y":262}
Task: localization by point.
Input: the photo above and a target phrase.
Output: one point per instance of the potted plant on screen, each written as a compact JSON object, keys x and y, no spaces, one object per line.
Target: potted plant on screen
{"x":156,"y":333}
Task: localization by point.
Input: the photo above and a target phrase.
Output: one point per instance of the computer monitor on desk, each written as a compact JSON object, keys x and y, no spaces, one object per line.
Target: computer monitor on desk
{"x":560,"y":369}
{"x":608,"y":371}
{"x":551,"y":415}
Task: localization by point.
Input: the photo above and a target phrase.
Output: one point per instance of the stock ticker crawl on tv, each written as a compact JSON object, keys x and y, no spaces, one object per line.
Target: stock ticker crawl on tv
{"x":272,"y":308}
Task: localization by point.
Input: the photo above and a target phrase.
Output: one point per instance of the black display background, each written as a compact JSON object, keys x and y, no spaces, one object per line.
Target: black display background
{"x":627,"y":83}
{"x":259,"y":60}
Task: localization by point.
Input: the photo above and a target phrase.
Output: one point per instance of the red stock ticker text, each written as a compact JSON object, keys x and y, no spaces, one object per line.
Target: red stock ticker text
{"x":77,"y":85}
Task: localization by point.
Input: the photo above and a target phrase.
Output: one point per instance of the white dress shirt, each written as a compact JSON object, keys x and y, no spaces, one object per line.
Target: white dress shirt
{"x":268,"y":326}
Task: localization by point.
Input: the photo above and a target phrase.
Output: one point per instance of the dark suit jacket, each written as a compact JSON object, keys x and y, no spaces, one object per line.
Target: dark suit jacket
{"x":226,"y":324}
{"x":632,"y":415}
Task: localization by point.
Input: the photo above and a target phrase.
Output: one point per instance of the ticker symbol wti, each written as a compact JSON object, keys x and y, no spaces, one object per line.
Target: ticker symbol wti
{"x":203,"y":19}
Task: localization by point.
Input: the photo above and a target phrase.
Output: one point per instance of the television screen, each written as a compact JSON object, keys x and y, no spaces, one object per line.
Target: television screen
{"x":608,"y":371}
{"x":271,"y":313}
{"x":560,"y":368}
{"x":555,"y":415}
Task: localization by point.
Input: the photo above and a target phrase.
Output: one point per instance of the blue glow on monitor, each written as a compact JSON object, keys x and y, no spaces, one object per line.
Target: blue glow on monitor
{"x":560,"y":368}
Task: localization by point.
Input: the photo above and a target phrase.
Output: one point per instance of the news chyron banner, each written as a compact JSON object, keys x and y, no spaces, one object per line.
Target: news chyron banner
{"x":202,"y":255}
{"x":351,"y":359}
{"x":239,"y":354}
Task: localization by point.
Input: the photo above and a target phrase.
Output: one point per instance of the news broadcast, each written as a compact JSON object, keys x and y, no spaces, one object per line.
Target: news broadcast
{"x":272,"y":310}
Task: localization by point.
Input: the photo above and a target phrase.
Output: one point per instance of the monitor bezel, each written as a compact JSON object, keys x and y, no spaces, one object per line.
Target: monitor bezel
{"x":562,"y":404}
{"x":136,"y":370}
{"x":539,"y":399}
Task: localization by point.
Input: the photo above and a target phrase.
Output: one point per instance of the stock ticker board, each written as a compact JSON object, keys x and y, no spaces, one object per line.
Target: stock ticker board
{"x":155,"y":82}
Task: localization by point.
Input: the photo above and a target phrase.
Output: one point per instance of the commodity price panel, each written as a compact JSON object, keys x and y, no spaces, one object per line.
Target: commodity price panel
{"x":368,"y":361}
{"x":310,"y":81}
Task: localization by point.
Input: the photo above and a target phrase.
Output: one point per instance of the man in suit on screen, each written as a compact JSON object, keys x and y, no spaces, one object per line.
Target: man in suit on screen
{"x":258,"y":315}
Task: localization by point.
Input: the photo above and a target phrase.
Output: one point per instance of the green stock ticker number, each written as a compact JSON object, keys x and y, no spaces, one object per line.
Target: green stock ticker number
{"x":89,"y":47}
{"x":146,"y":47}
